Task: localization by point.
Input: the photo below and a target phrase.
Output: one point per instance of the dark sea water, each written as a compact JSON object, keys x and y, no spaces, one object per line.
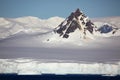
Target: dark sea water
{"x":56,"y":77}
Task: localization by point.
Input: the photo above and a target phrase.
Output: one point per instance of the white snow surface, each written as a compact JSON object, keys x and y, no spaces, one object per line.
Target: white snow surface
{"x":31,"y":36}
{"x":11,"y":26}
{"x":24,"y":66}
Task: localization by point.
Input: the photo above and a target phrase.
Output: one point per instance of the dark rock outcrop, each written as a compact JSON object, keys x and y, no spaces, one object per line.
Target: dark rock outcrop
{"x":107,"y":28}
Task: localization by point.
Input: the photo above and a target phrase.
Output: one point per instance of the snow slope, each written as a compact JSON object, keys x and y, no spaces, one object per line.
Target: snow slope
{"x":28,"y":24}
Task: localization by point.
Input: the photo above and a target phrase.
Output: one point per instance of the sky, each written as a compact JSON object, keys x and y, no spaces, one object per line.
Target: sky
{"x":62,"y":8}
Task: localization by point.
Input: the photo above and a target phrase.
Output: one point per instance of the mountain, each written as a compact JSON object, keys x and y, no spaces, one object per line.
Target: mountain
{"x":76,"y":28}
{"x":30,"y":45}
{"x":76,"y":20}
{"x":27,"y":25}
{"x":41,"y":38}
{"x":106,"y":28}
{"x":87,"y":29}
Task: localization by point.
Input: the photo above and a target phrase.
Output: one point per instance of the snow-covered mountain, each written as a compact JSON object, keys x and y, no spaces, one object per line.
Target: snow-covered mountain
{"x":78,"y":21}
{"x":12,"y":26}
{"x":76,"y":25}
{"x":75,"y":29}
{"x":76,"y":38}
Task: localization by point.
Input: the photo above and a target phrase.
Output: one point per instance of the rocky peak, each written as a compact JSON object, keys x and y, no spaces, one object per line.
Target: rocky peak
{"x":76,"y":20}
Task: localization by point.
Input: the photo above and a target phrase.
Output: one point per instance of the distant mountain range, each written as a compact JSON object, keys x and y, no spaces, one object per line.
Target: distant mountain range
{"x":77,"y":26}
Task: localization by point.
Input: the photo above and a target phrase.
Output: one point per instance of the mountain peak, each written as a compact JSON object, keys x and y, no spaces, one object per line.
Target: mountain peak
{"x":76,"y":20}
{"x":74,"y":14}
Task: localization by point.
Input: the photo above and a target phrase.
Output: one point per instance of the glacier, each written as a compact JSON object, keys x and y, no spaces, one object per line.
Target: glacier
{"x":23,"y":66}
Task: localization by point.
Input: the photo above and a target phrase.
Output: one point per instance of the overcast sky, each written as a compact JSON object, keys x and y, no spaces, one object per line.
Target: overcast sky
{"x":62,"y":8}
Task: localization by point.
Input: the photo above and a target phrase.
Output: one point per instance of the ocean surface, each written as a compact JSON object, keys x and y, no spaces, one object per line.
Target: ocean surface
{"x":57,"y":77}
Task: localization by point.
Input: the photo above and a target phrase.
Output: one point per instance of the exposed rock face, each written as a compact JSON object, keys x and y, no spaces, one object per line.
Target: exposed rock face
{"x":76,"y":20}
{"x":107,"y":28}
